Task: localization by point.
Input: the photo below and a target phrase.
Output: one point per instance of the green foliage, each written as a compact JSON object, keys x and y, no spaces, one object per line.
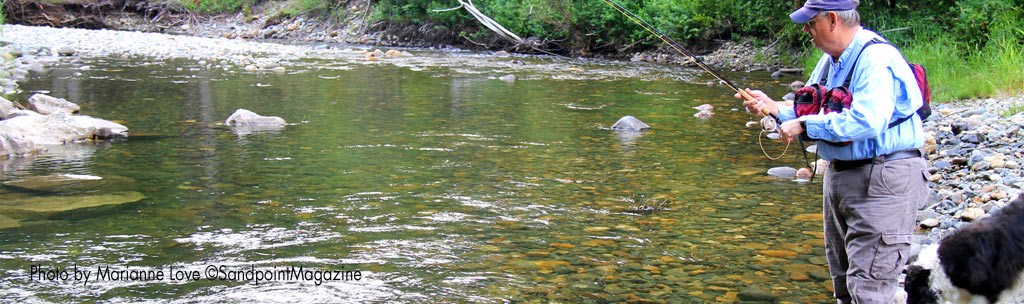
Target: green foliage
{"x":681,"y":19}
{"x":216,"y":6}
{"x":981,"y":40}
{"x":308,"y":7}
{"x":993,"y":58}
{"x":591,"y":25}
{"x":401,"y":11}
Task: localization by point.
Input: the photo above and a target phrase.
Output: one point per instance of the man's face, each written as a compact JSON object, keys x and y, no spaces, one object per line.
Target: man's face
{"x":816,"y":27}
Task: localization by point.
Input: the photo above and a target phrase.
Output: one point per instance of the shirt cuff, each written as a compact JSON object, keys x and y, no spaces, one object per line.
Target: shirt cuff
{"x":786,"y":113}
{"x":814,"y":126}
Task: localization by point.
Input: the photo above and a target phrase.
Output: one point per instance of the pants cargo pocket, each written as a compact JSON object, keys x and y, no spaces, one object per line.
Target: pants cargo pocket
{"x":890,"y":256}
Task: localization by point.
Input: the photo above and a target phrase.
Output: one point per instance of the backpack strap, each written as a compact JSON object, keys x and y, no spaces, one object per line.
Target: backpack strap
{"x":849,"y":77}
{"x":901,"y":120}
{"x":824,"y":76}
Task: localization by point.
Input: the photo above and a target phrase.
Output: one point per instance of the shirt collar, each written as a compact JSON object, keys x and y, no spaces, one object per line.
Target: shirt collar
{"x":859,"y":40}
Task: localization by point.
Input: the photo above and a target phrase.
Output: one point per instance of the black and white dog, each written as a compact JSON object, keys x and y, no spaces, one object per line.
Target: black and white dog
{"x":982,"y":262}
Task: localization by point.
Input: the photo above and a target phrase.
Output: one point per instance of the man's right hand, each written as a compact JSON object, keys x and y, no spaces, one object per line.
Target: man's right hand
{"x":760,"y":104}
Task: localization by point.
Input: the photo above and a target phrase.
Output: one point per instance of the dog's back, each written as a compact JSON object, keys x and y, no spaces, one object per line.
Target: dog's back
{"x":984,"y":259}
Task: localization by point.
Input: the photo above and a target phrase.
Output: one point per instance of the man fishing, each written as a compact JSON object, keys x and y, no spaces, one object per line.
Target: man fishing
{"x":875,"y":182}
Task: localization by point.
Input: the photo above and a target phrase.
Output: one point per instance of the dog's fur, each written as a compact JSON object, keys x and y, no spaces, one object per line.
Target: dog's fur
{"x":980,"y":263}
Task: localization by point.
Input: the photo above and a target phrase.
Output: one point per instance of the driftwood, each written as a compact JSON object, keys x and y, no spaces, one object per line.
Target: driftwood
{"x":89,"y":14}
{"x":791,"y":70}
{"x":520,"y":44}
{"x":486,"y":21}
{"x":33,"y":12}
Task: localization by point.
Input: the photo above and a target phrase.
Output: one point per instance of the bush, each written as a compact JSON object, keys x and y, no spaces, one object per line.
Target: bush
{"x":216,"y":6}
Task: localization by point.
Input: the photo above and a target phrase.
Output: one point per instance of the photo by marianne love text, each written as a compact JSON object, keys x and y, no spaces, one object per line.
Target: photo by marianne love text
{"x":75,"y":274}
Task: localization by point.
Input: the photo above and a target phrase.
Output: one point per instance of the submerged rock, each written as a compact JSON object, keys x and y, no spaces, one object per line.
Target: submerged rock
{"x":243,"y":117}
{"x":704,"y":111}
{"x":804,"y":173}
{"x":6,"y":222}
{"x":65,"y":182}
{"x":784,"y":172}
{"x":629,"y":123}
{"x":705,"y":108}
{"x":44,"y":205}
{"x":66,"y":50}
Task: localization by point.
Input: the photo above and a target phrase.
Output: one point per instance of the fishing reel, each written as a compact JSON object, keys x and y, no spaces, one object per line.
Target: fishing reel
{"x":769,"y":124}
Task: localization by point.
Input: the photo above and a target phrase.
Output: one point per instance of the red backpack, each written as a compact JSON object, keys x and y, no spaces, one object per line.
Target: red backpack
{"x":926,"y":94}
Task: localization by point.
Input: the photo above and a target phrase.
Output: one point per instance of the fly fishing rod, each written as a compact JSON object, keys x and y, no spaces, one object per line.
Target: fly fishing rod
{"x":769,"y":123}
{"x":679,"y":48}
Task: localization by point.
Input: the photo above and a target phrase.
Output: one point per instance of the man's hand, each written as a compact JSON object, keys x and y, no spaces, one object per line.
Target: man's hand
{"x":789,"y":130}
{"x":761,"y":104}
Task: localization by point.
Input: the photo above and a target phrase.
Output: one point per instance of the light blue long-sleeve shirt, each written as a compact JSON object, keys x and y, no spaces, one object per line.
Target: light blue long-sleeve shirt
{"x":884,"y":89}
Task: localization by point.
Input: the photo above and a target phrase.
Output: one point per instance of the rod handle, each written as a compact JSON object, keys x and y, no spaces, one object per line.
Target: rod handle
{"x":747,"y":96}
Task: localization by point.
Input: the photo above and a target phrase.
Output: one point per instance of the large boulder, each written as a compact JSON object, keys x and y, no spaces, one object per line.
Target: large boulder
{"x":53,"y":129}
{"x":59,"y":128}
{"x":244,"y":122}
{"x":102,"y":128}
{"x":6,"y":108}
{"x":45,"y":104}
{"x":12,"y":145}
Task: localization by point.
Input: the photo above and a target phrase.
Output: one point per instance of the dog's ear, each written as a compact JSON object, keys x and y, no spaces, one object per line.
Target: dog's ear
{"x":918,"y":286}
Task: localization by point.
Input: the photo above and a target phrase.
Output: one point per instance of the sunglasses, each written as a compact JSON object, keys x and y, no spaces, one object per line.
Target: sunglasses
{"x":810,"y":23}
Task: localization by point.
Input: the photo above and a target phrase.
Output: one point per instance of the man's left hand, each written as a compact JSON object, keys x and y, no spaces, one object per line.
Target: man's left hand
{"x":789,"y":130}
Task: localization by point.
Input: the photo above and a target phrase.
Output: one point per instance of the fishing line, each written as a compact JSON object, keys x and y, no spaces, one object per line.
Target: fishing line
{"x":677,"y":47}
{"x":769,"y":123}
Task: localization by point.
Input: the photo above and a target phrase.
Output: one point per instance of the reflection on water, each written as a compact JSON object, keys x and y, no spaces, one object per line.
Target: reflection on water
{"x":436,"y":182}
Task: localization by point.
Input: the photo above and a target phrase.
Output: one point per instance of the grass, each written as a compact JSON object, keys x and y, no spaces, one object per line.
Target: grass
{"x":955,"y":74}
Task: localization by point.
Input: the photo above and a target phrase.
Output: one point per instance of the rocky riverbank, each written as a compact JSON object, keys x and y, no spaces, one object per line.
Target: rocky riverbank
{"x":975,"y":161}
{"x":975,"y":156}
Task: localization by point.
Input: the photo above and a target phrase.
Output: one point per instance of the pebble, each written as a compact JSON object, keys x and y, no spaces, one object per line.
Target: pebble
{"x":971,"y":214}
{"x":930,"y":223}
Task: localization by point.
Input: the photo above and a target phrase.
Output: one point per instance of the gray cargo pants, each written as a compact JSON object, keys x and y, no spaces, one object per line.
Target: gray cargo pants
{"x":870,"y":212}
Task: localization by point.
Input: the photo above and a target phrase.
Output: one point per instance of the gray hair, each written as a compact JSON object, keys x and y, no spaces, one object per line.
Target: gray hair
{"x":850,"y":18}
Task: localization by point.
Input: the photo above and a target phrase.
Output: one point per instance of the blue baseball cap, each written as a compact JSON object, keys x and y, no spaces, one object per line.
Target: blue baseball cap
{"x":812,"y":7}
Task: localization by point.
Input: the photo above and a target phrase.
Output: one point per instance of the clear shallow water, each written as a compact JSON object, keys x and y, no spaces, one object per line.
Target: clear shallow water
{"x":428,"y":176}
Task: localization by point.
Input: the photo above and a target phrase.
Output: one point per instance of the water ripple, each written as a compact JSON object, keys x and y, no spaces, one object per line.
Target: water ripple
{"x":258,"y":237}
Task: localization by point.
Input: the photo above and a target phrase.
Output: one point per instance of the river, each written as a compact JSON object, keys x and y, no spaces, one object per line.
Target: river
{"x":426,"y":178}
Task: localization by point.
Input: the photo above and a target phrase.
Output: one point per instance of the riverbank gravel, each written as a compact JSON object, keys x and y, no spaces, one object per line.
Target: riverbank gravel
{"x":975,"y":161}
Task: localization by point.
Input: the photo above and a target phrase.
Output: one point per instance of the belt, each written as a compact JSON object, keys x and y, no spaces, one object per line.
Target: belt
{"x":840,"y":165}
